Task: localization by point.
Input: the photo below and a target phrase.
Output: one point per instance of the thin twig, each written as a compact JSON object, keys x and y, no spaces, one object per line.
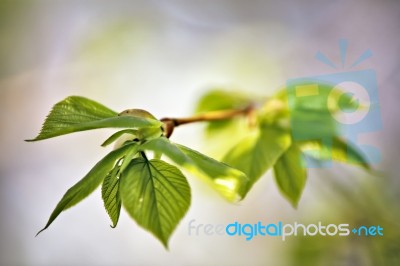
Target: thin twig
{"x":171,"y":123}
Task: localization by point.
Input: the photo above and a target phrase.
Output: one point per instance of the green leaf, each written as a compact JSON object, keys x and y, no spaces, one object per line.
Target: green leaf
{"x":137,"y":113}
{"x":216,"y":100}
{"x":338,"y":150}
{"x":313,"y":125}
{"x":156,"y":195}
{"x":309,"y":107}
{"x":149,"y":133}
{"x":312,"y":114}
{"x":291,"y":175}
{"x":117,"y":135}
{"x":111,"y":196}
{"x":76,"y":113}
{"x":273,"y":112}
{"x":314,"y":95}
{"x":130,"y":154}
{"x":258,"y":152}
{"x":88,"y":184}
{"x":230,"y":182}
{"x":110,"y":188}
{"x":166,"y":147}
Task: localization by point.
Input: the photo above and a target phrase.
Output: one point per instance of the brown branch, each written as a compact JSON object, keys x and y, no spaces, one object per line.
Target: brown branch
{"x":171,"y":123}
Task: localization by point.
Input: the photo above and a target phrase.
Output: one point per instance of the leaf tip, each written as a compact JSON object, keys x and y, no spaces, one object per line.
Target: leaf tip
{"x":165,"y":244}
{"x":295,"y":204}
{"x":40,"y":231}
{"x":163,"y":239}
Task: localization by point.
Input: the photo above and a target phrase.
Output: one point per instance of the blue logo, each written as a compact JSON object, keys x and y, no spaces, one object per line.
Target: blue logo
{"x":347,"y":106}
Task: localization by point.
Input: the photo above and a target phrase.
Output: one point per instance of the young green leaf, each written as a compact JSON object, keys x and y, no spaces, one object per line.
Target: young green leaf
{"x":338,"y":150}
{"x":110,"y":194}
{"x":110,"y":189}
{"x":117,"y":135}
{"x":229,"y":182}
{"x":291,"y":175}
{"x":76,"y":113}
{"x":156,"y":194}
{"x":145,"y":133}
{"x":259,"y":151}
{"x":137,"y":113}
{"x":130,"y":154}
{"x":88,"y":184}
{"x":166,"y":147}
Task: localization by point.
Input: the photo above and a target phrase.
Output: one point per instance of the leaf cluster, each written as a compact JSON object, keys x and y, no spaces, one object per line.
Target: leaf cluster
{"x":156,"y":193}
{"x":271,"y":142}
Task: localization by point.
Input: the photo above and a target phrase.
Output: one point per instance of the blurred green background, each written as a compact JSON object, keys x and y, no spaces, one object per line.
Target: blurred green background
{"x":161,"y":56}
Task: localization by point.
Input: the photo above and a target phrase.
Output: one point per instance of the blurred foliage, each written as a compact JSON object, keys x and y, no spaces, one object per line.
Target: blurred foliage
{"x":373,"y":203}
{"x":290,"y":174}
{"x":280,"y":131}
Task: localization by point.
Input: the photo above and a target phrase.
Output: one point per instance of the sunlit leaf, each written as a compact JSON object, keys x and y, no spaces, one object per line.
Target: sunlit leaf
{"x":291,"y":175}
{"x":273,"y":111}
{"x":156,"y":195}
{"x":88,"y":184}
{"x":258,"y":152}
{"x":111,"y":196}
{"x":166,"y":147}
{"x":228,"y":181}
{"x":338,"y":149}
{"x":76,"y":113}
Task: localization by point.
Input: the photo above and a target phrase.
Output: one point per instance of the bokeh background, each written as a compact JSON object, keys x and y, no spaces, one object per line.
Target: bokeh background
{"x":161,"y":56}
